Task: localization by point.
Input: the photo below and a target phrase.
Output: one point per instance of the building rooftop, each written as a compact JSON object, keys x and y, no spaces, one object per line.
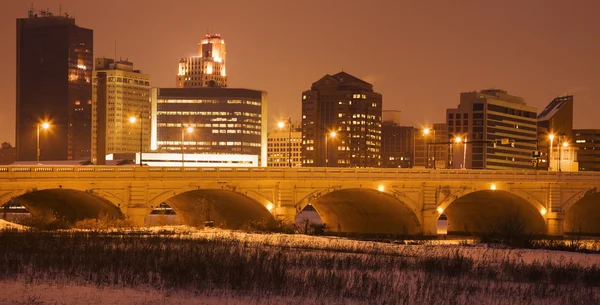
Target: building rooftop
{"x":554,"y":107}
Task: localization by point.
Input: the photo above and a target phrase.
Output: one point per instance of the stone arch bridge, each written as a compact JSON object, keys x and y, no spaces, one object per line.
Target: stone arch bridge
{"x":384,"y":201}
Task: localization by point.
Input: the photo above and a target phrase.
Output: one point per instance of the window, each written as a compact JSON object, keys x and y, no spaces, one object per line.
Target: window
{"x":478,"y":107}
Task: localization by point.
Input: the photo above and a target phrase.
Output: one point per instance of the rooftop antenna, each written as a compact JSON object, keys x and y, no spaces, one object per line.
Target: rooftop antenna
{"x":115,"y":50}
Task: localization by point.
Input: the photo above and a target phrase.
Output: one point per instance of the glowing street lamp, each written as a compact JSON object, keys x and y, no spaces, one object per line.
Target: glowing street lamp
{"x":551,"y":137}
{"x":426,"y":132}
{"x":132,"y":120}
{"x":281,"y":125}
{"x":183,"y":132}
{"x":45,"y":126}
{"x":332,"y":135}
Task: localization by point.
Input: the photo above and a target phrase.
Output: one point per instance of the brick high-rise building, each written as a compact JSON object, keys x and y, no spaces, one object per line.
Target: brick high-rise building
{"x":341,"y":123}
{"x":54,"y":84}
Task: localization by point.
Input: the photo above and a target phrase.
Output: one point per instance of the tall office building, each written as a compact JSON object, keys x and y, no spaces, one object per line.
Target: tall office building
{"x":397,"y":142}
{"x":557,"y":120}
{"x":348,"y":106}
{"x":208,"y":68}
{"x":224,"y":121}
{"x":120,"y":110}
{"x":500,"y":130}
{"x":284,"y":146}
{"x":54,"y":84}
{"x":587,"y":142}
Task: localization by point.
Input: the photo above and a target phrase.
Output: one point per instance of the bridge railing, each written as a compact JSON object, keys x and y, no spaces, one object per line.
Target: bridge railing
{"x":279,"y":173}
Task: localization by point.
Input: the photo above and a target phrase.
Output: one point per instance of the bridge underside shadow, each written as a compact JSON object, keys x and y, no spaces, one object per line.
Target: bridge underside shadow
{"x":584,"y":216}
{"x":493,"y":211}
{"x":226,"y":209}
{"x":366,"y":211}
{"x":68,"y":205}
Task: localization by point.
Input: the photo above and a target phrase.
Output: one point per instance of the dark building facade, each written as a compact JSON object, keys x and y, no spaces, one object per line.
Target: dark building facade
{"x":54,"y":74}
{"x":397,"y":146}
{"x":349,"y":107}
{"x":556,"y":119}
{"x":588,"y":143}
{"x":397,"y":142}
{"x":224,"y":121}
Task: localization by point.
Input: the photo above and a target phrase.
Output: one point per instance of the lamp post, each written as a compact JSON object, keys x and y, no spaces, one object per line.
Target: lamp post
{"x":565,"y":145}
{"x":44,"y":125}
{"x":426,"y":132}
{"x":183,"y":131}
{"x":551,"y":137}
{"x":426,"y":146}
{"x":282,"y":125}
{"x":132,"y":121}
{"x":332,"y":134}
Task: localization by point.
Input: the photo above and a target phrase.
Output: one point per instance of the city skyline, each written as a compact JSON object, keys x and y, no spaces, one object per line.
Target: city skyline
{"x":548,"y":51}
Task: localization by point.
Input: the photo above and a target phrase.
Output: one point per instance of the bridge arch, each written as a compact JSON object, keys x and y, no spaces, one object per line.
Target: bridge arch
{"x":71,"y":204}
{"x":480,"y":210}
{"x":364,"y":210}
{"x":224,"y":206}
{"x":582,"y":213}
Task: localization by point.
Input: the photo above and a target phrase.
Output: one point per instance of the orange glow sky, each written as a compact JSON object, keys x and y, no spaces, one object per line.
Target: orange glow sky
{"x":419,"y":54}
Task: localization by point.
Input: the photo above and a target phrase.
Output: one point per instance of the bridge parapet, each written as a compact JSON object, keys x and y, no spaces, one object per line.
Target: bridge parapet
{"x":41,"y":172}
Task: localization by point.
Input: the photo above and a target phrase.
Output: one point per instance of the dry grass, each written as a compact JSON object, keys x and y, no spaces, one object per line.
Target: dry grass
{"x":308,"y":270}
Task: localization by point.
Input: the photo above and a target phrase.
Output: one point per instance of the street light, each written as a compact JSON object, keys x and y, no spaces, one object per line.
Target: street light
{"x":564,"y":145}
{"x":426,"y":132}
{"x":426,"y":147}
{"x":551,"y":137}
{"x":45,"y":126}
{"x":132,"y":121}
{"x":183,"y":131}
{"x":332,"y":135}
{"x":281,"y":125}
{"x":459,"y":140}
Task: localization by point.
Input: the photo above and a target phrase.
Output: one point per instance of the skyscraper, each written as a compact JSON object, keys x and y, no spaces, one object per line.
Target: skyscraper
{"x":54,"y":84}
{"x":120,"y":109}
{"x":207,"y":69}
{"x":341,"y":123}
{"x":500,"y":130}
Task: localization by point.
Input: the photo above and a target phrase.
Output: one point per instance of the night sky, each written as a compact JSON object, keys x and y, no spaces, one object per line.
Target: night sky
{"x":419,"y":54}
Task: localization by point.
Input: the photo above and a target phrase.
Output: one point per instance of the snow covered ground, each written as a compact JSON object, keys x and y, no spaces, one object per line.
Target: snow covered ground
{"x":5,"y":225}
{"x":464,"y":289}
